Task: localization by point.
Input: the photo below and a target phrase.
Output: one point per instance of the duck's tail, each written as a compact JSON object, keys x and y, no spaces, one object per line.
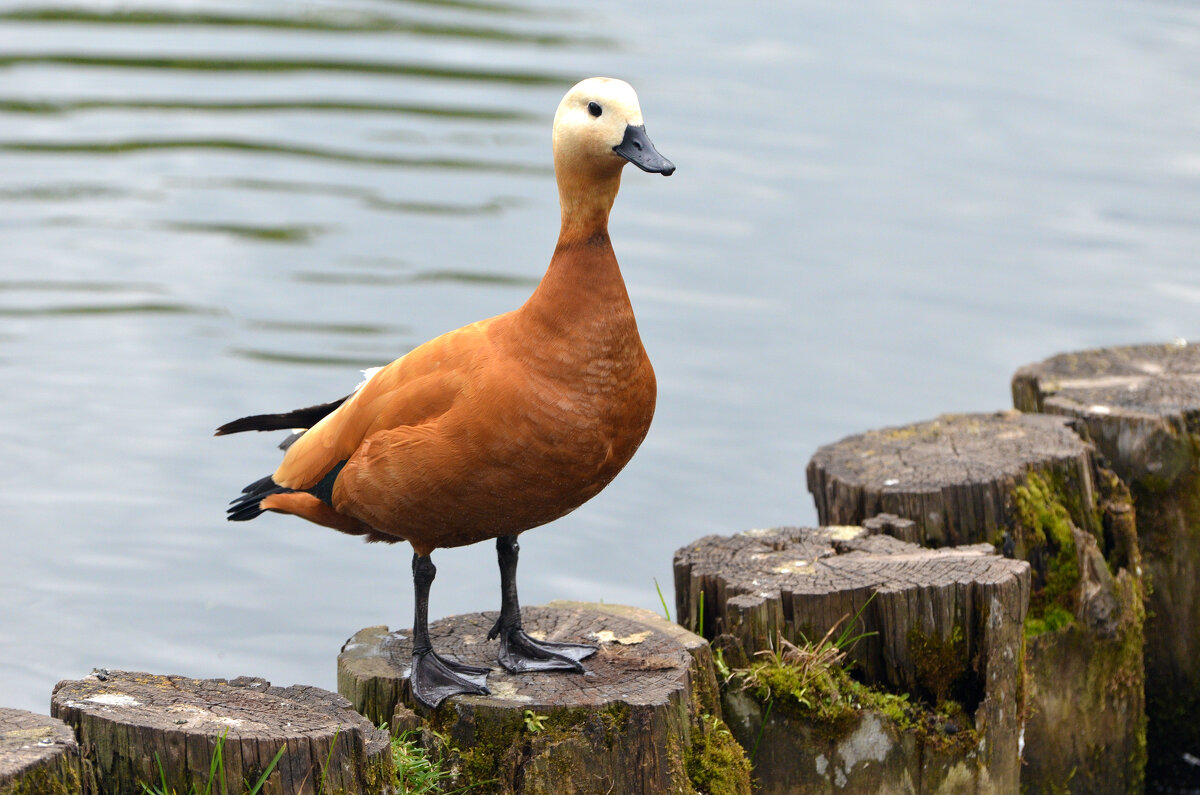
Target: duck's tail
{"x":267,"y":495}
{"x":249,"y":505}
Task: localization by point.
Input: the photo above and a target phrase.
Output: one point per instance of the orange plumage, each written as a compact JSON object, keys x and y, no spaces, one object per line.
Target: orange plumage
{"x":502,"y":425}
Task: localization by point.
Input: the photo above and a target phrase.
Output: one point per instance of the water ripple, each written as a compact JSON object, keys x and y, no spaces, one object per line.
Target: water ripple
{"x":354,"y":23}
{"x":353,"y":329}
{"x":191,"y":63}
{"x":424,"y":277}
{"x":268,"y":148}
{"x":140,"y":308}
{"x":322,"y":360}
{"x":50,"y":107}
{"x":370,"y":198}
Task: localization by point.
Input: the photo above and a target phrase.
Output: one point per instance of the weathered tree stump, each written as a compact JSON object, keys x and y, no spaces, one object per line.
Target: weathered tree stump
{"x":38,"y":755}
{"x":645,"y":718}
{"x":953,"y":476}
{"x":1139,"y":405}
{"x":129,"y":722}
{"x":946,"y":627}
{"x":1030,"y":485}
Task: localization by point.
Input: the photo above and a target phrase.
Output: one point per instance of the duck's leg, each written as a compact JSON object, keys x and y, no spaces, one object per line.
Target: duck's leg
{"x":433,"y":677}
{"x":518,"y":651}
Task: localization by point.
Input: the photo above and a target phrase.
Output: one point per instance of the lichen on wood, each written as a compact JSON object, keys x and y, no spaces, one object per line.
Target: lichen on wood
{"x":1139,"y":405}
{"x":1036,"y":489}
{"x":645,"y":718}
{"x":766,"y":589}
{"x":38,"y":755}
{"x":137,"y":728}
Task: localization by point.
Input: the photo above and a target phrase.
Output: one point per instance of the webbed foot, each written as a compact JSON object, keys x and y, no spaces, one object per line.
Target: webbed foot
{"x":520,"y":653}
{"x":435,"y":678}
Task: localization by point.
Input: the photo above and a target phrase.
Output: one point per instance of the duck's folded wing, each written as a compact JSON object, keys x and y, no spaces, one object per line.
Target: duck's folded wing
{"x":416,"y":388}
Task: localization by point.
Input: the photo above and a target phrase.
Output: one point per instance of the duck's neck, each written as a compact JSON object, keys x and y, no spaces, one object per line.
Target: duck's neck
{"x":585,"y":198}
{"x":583,"y":283}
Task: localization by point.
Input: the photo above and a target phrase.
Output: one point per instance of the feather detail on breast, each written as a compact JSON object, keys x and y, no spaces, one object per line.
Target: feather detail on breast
{"x":416,"y":388}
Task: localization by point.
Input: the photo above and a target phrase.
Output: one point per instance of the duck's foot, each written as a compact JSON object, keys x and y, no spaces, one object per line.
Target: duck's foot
{"x":520,"y":653}
{"x":435,"y":678}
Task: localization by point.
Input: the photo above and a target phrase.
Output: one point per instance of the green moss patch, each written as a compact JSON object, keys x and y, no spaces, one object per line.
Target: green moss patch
{"x":715,"y":763}
{"x":941,"y":664}
{"x":814,"y":686}
{"x":1045,"y":534}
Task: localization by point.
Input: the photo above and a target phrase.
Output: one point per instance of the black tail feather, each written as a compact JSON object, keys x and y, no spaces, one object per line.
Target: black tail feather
{"x":246,"y":507}
{"x":300,"y":418}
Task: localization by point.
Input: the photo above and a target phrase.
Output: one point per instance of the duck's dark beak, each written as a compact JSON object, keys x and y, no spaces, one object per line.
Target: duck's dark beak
{"x":637,"y":149}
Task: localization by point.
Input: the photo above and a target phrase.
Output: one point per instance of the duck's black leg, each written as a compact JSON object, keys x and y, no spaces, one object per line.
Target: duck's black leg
{"x":518,"y":651}
{"x":434,"y":678}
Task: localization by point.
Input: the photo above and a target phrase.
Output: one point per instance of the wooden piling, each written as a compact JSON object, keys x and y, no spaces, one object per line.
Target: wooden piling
{"x":1034,"y":489}
{"x":645,"y":718}
{"x":138,"y":729}
{"x":942,"y":626}
{"x":1139,"y":405}
{"x":38,"y":755}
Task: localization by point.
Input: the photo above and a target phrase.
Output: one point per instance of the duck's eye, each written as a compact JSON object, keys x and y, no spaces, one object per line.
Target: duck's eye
{"x":595,"y":109}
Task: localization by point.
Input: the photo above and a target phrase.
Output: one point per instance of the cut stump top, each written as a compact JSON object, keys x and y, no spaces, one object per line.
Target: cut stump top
{"x":636,"y":664}
{"x":1140,"y":379}
{"x":938,"y":623}
{"x":128,"y":718}
{"x":950,"y":475}
{"x":624,"y":726}
{"x":29,"y":741}
{"x":1138,"y":402}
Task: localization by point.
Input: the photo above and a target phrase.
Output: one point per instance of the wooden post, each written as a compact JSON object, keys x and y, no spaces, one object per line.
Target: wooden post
{"x":139,"y":728}
{"x":1139,"y":405}
{"x":645,"y":718}
{"x":1029,"y":485}
{"x":944,"y":625}
{"x":38,"y":755}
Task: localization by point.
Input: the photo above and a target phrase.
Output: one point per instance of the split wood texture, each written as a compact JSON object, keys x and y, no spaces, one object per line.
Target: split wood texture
{"x":953,"y":476}
{"x":967,"y":603}
{"x":38,"y":755}
{"x":128,"y":723}
{"x":625,"y":726}
{"x":1139,"y":405}
{"x":1032,"y":486}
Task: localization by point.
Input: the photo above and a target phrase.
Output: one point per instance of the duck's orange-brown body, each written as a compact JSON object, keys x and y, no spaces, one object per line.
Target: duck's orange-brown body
{"x":487,"y":431}
{"x":500,"y":426}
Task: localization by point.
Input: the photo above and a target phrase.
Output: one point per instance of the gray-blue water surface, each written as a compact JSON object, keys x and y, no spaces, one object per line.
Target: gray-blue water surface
{"x":215,"y":209}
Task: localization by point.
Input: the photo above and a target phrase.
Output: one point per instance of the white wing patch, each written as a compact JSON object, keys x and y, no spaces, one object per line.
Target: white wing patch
{"x":367,"y":375}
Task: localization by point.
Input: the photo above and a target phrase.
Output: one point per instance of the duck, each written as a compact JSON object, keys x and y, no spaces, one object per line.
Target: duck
{"x":500,"y":426}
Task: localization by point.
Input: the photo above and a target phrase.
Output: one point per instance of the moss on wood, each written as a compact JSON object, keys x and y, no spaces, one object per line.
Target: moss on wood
{"x":1044,"y":535}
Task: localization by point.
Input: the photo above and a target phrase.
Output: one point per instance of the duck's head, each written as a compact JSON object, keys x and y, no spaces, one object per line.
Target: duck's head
{"x":599,"y":126}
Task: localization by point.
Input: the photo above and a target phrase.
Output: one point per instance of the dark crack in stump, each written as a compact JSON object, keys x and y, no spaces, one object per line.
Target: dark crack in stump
{"x":1140,"y":405}
{"x":128,"y":722}
{"x":1033,"y":487}
{"x":639,"y":721}
{"x":38,"y":755}
{"x":946,"y":625}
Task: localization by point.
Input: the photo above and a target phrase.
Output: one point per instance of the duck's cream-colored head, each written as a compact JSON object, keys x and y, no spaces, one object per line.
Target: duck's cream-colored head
{"x":599,"y":126}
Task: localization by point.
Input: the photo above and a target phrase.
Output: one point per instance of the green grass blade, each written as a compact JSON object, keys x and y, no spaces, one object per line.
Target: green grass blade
{"x":162,"y":777}
{"x":216,"y":767}
{"x":666,"y":610}
{"x":761,"y":729}
{"x":266,"y":773}
{"x":328,"y":759}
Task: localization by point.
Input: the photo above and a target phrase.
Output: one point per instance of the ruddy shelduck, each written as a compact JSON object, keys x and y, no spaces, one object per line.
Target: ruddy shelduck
{"x":500,"y":426}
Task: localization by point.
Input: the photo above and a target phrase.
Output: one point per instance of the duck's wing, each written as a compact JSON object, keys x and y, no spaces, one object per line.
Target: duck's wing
{"x":415,"y":389}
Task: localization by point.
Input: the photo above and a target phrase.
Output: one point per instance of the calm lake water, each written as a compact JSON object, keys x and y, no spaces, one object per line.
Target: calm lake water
{"x":222,"y":208}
